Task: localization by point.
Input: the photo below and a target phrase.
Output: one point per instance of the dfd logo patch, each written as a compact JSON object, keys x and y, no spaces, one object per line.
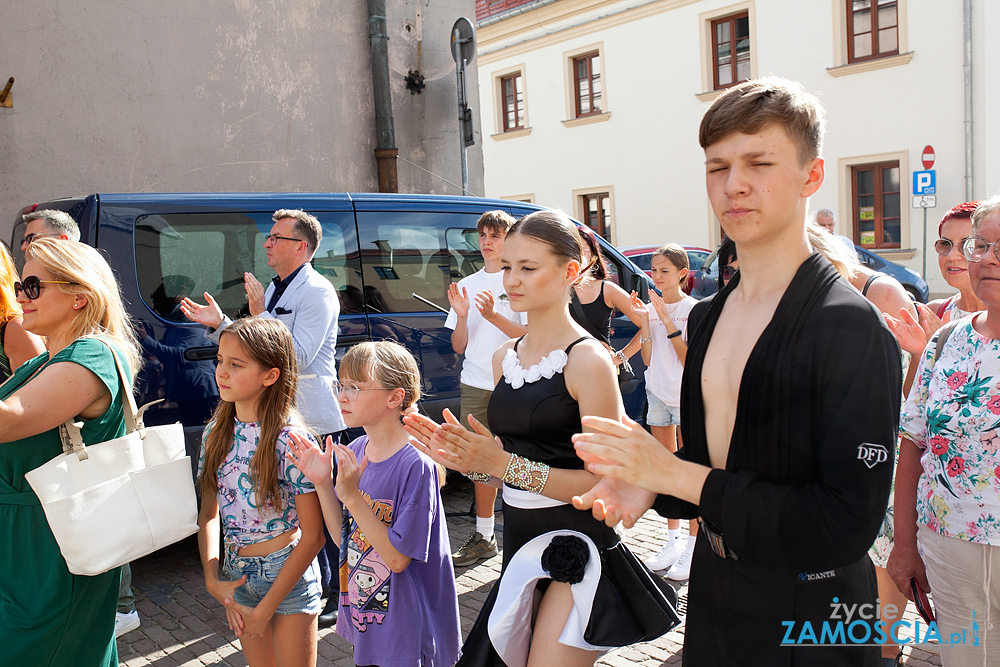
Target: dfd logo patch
{"x":872,"y":454}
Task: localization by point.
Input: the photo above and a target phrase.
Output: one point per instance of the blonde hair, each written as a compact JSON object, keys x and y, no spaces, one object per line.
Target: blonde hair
{"x":9,"y":308}
{"x":269,"y":343}
{"x":88,"y":273}
{"x":386,"y":363}
{"x":843,"y":258}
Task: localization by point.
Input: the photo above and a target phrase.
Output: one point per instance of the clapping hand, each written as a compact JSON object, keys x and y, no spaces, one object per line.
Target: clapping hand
{"x":459,"y":300}
{"x":313,"y":462}
{"x":912,"y":334}
{"x":209,"y":315}
{"x":486,"y":303}
{"x":454,"y":446}
{"x":612,"y":501}
{"x":349,"y":473}
{"x":255,"y":293}
{"x":638,"y":307}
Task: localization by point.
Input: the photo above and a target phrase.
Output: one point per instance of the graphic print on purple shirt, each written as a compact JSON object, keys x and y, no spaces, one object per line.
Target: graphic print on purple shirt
{"x":408,"y":618}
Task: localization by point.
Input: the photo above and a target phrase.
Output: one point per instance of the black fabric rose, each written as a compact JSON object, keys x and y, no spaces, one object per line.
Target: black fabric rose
{"x":566,"y":558}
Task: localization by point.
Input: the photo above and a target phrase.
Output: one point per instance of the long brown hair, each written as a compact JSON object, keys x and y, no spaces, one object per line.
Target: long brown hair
{"x":269,"y":343}
{"x":558,"y":232}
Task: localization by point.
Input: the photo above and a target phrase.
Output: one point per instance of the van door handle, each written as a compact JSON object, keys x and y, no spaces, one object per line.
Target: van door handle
{"x":205,"y":353}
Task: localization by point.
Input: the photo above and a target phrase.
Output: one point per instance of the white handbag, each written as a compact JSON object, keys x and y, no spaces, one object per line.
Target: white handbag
{"x":110,"y":503}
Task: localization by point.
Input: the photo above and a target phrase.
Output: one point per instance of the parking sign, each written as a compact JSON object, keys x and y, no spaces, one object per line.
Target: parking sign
{"x":925,"y":182}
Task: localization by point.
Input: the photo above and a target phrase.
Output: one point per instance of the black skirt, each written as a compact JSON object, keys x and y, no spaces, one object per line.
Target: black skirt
{"x":630,"y":604}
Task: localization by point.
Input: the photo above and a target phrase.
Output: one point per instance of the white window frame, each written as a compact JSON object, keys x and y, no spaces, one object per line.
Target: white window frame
{"x":845,"y":193}
{"x":580,"y":212}
{"x":570,"y":86}
{"x":498,"y":110}
{"x":842,"y":67}
{"x":707,"y":46}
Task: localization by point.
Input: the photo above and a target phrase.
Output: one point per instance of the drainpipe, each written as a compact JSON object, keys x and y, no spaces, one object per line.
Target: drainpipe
{"x":967,"y":30}
{"x":385,"y":140}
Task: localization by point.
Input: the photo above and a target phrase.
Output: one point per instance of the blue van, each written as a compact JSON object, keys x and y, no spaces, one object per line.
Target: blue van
{"x":391,"y":258}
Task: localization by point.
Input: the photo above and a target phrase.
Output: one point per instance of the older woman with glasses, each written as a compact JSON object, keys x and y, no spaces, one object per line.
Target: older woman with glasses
{"x":947,"y":495}
{"x":953,"y":231}
{"x":16,"y":344}
{"x":69,"y":295}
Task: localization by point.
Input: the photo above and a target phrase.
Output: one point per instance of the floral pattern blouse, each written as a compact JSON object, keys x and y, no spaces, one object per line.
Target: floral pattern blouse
{"x":953,"y":414}
{"x":244,"y":519}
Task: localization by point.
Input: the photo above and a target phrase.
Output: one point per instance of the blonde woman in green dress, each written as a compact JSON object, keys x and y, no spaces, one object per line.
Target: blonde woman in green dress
{"x":68,"y":294}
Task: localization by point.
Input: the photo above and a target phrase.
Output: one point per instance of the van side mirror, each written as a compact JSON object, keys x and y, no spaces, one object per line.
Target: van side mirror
{"x":640,"y":286}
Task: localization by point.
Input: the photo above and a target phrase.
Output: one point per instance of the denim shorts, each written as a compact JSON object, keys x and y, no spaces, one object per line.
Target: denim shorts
{"x":661,"y":414}
{"x":262,"y":571}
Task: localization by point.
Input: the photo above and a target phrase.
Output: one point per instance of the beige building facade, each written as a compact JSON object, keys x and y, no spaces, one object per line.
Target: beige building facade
{"x":223,"y":96}
{"x":593,"y":106}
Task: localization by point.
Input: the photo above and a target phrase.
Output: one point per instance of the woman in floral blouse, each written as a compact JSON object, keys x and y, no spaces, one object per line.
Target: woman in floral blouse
{"x":948,"y":480}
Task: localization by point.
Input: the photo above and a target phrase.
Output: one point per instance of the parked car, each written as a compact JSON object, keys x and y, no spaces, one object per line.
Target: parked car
{"x":642,"y":256}
{"x":390,"y":257}
{"x":705,"y":282}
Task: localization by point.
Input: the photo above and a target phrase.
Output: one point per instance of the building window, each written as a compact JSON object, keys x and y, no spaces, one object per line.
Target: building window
{"x":587,"y":84}
{"x":597,"y":213}
{"x":875,"y":205}
{"x":512,"y":96}
{"x":731,"y":50}
{"x":872,"y":29}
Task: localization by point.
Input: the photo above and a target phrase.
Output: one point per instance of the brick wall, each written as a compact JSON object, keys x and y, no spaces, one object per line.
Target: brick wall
{"x":488,"y":8}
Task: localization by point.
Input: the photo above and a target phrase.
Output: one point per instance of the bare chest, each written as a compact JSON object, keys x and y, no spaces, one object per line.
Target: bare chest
{"x":733,"y":340}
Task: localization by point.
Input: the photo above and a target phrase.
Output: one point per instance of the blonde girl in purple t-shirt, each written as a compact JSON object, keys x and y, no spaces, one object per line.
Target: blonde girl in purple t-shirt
{"x":399,"y":605}
{"x":267,"y":511}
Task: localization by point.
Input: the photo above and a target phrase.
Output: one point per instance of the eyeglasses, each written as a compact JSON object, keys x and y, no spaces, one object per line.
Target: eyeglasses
{"x":351,"y":390}
{"x":975,"y":249}
{"x":944,"y":246}
{"x":728,"y":272}
{"x":32,"y":286}
{"x":28,"y":238}
{"x":274,"y":238}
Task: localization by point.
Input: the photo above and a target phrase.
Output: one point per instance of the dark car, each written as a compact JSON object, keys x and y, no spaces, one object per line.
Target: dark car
{"x":705,"y":282}
{"x":390,"y":257}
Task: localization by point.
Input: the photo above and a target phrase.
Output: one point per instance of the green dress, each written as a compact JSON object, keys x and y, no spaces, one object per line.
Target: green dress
{"x":49,"y":617}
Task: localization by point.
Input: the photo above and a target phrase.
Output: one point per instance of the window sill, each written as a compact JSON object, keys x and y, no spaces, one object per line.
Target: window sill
{"x":870,"y":65}
{"x":894,"y":254}
{"x":512,"y":134}
{"x":587,"y":120}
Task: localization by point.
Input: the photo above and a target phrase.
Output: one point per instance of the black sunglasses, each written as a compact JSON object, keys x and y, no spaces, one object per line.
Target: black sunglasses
{"x":728,"y":272}
{"x":32,"y":286}
{"x":28,"y":238}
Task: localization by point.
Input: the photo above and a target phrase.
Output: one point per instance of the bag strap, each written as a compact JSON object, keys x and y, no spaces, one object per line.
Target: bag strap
{"x":943,"y":334}
{"x":70,"y":431}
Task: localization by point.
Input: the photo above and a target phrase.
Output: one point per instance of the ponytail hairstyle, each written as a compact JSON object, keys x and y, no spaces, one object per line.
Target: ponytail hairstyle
{"x":598,"y":271}
{"x":559,"y":233}
{"x":267,"y":342}
{"x":676,"y":255}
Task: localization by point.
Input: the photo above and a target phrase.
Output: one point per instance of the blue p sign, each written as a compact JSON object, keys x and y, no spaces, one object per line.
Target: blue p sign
{"x":925,"y":182}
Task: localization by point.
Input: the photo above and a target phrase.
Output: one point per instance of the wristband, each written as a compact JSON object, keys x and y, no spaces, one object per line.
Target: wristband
{"x":645,"y":339}
{"x":525,"y":474}
{"x":674,"y":334}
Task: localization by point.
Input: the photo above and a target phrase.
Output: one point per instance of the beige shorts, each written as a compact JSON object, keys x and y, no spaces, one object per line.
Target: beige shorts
{"x":474,"y":401}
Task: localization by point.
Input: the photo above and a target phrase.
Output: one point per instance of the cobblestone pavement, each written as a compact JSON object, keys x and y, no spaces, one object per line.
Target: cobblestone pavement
{"x":183,"y":625}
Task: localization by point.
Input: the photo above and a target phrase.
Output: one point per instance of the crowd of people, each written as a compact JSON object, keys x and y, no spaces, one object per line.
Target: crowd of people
{"x":774,"y":413}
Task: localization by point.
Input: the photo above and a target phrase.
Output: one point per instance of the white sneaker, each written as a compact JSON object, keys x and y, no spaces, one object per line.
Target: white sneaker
{"x":668,"y":555}
{"x":681,"y":570}
{"x":125,"y":623}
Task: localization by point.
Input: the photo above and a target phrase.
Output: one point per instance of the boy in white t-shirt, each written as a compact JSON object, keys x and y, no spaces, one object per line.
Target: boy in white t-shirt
{"x":477,"y":333}
{"x":663,"y":336}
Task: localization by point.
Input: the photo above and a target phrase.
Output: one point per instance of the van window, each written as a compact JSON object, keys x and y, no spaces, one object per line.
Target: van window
{"x":186,"y":254}
{"x":408,"y":253}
